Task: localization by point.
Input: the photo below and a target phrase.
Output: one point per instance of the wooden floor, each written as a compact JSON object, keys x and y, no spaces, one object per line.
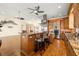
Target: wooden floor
{"x":57,"y":48}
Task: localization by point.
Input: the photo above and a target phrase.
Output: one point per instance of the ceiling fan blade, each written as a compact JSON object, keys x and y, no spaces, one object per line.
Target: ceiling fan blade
{"x":36,"y":13}
{"x":31,"y":9}
{"x":31,"y":12}
{"x":37,"y":8}
{"x":40,"y":11}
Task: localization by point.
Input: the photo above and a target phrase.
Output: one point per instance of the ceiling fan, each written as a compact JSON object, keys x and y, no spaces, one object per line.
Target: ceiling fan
{"x":36,"y":10}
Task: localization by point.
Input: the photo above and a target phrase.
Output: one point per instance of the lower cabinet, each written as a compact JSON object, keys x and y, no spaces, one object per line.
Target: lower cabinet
{"x":28,"y":45}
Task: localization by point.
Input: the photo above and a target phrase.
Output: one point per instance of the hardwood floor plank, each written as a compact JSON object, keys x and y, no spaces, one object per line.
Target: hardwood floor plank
{"x":57,"y":48}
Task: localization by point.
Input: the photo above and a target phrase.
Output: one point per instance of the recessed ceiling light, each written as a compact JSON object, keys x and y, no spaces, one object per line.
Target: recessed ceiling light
{"x":59,"y":6}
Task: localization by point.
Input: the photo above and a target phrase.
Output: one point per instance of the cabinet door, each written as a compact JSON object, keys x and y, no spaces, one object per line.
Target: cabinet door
{"x":27,"y":44}
{"x":66,"y":23}
{"x":31,"y":39}
{"x":24,"y":45}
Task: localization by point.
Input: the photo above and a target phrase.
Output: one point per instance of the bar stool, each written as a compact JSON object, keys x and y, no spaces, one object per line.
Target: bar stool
{"x":43,"y":44}
{"x":40,"y":47}
{"x":35,"y":46}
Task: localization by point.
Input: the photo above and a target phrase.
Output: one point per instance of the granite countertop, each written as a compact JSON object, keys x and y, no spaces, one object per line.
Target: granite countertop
{"x":74,"y":42}
{"x":75,"y":46}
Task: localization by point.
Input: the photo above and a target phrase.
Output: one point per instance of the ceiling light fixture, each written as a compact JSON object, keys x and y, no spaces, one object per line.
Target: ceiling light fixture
{"x":59,"y":6}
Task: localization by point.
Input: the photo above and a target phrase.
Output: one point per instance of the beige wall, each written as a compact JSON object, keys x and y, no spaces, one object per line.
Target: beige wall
{"x":10,"y":45}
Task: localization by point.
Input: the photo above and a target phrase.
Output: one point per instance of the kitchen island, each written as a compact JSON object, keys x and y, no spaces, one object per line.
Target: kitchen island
{"x":10,"y":38}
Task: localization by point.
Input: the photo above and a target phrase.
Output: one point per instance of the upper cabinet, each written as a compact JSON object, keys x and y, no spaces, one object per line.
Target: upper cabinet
{"x":66,"y":23}
{"x":74,"y":16}
{"x":71,"y":19}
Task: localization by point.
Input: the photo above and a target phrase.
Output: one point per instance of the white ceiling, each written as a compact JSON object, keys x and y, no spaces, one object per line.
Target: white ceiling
{"x":51,"y":9}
